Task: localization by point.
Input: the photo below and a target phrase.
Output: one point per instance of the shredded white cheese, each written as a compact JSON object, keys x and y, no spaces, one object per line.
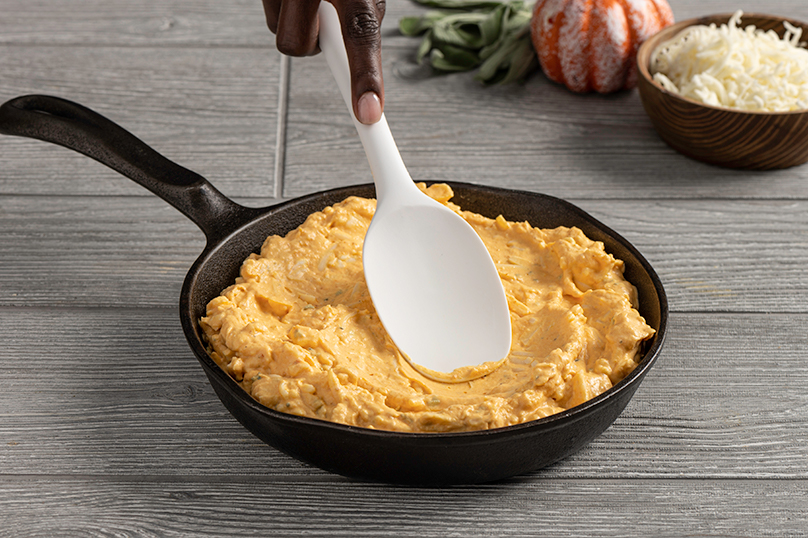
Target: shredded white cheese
{"x":729,"y":66}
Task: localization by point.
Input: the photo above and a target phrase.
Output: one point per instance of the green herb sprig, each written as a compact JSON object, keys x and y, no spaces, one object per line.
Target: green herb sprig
{"x":492,"y":36}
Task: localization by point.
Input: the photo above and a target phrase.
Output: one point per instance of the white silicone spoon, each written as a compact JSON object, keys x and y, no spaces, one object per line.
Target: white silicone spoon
{"x":432,"y":281}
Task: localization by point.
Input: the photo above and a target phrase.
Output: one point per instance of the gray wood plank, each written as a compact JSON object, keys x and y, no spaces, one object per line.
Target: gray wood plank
{"x":213,"y":110}
{"x":237,"y":507}
{"x":117,"y":391}
{"x":108,"y":426}
{"x":536,"y":136}
{"x":110,"y":251}
{"x":224,"y":22}
{"x":688,"y":9}
{"x":148,"y":22}
{"x":712,"y":255}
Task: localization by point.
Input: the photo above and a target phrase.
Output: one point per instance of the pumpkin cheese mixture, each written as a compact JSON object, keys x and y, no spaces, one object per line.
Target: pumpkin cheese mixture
{"x":299,"y":333}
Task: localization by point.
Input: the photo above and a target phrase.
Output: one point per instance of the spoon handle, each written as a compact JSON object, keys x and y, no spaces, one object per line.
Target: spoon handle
{"x":389,"y":171}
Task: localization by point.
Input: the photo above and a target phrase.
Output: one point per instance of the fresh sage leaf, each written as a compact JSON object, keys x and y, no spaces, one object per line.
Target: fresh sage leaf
{"x":451,"y":58}
{"x":492,"y":36}
{"x":413,"y":26}
{"x":523,"y":60}
{"x":458,"y":30}
{"x":491,"y":27}
{"x":424,"y":48}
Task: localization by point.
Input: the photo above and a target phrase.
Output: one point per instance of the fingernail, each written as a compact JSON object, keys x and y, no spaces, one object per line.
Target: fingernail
{"x":369,"y":108}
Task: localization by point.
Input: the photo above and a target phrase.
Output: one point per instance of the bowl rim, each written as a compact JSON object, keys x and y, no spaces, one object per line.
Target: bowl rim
{"x":646,"y":48}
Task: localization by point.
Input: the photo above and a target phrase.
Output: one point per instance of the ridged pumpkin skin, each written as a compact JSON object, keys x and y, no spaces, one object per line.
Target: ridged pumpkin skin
{"x":592,"y":44}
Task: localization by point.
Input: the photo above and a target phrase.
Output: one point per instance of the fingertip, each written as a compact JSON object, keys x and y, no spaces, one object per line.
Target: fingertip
{"x":368,"y":108}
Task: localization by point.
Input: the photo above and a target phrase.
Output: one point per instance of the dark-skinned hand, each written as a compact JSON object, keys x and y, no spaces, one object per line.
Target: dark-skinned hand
{"x":296,"y":28}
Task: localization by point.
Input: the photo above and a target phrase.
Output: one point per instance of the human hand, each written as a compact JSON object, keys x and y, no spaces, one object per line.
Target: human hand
{"x":296,"y":28}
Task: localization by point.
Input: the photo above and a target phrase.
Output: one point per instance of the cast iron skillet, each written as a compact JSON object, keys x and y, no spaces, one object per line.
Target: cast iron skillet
{"x":234,"y":231}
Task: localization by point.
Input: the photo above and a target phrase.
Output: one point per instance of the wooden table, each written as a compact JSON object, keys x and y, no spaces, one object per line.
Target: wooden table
{"x":108,"y":426}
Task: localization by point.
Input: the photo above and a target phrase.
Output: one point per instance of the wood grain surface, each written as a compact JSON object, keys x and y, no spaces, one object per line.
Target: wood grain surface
{"x":108,"y":426}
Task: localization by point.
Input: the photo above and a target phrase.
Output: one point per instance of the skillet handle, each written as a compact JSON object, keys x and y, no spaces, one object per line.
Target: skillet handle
{"x":76,"y":127}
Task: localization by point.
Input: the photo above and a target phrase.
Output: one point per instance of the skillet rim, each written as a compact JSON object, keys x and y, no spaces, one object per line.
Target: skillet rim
{"x":193,"y":332}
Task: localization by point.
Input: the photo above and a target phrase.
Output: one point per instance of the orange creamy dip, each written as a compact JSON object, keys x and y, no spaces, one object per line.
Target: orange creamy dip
{"x":298,"y":330}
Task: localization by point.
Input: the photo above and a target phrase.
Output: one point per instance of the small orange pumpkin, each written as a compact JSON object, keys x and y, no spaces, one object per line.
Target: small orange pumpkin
{"x":592,"y":44}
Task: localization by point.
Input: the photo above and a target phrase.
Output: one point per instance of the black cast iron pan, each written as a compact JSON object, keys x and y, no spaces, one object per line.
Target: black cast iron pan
{"x":234,"y":231}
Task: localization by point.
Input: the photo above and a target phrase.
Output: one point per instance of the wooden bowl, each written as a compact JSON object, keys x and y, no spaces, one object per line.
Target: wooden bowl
{"x":723,"y":136}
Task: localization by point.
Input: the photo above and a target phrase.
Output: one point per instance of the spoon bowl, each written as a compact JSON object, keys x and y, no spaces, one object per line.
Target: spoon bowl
{"x":442,"y":326}
{"x":432,"y":281}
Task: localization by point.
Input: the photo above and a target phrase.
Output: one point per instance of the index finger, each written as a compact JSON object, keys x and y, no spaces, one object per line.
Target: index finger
{"x":361,"y":30}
